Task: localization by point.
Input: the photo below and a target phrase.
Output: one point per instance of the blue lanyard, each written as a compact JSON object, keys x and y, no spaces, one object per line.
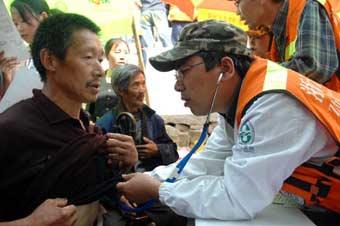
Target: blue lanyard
{"x":173,"y":177}
{"x":180,"y":166}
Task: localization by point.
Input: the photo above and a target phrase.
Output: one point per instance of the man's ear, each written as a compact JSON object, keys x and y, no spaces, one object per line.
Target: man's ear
{"x":48,"y":60}
{"x":228,"y":68}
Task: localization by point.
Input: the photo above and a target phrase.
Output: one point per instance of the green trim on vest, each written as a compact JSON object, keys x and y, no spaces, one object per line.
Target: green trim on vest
{"x":290,"y":50}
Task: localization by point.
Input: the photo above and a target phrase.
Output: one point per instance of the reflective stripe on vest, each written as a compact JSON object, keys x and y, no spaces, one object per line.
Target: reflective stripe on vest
{"x":276,"y":77}
{"x":322,"y":2}
{"x":290,"y":49}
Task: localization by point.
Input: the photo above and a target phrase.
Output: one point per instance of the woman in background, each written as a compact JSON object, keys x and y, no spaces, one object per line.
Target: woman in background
{"x":117,"y":53}
{"x":26,"y":16}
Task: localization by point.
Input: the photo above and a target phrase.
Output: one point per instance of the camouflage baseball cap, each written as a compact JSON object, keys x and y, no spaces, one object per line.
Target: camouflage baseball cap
{"x":210,"y":35}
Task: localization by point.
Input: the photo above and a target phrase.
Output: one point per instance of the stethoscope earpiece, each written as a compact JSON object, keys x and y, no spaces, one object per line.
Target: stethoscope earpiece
{"x":220,"y":77}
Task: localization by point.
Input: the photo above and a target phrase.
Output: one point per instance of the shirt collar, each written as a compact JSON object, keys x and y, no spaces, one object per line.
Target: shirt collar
{"x":53,"y":113}
{"x":120,"y":107}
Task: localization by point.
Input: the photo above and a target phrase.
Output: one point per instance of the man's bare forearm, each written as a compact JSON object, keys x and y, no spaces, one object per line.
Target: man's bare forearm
{"x":20,"y":222}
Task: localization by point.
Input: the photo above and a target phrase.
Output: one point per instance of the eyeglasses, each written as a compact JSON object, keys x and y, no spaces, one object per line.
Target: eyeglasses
{"x":180,"y":71}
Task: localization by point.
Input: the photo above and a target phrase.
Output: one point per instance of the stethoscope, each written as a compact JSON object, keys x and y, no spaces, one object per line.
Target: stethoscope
{"x":180,"y":166}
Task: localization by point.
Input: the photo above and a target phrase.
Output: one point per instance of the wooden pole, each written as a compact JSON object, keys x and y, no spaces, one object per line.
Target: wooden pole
{"x":140,"y":55}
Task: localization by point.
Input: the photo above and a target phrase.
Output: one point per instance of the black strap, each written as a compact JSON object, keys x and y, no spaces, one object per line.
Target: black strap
{"x":326,"y":168}
{"x":321,"y":189}
{"x":298,"y":183}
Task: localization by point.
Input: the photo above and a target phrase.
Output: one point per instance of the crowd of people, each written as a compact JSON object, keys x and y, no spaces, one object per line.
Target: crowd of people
{"x":274,"y":87}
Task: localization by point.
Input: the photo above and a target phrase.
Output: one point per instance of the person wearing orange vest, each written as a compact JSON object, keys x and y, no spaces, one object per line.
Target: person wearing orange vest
{"x":276,"y":127}
{"x":306,"y":35}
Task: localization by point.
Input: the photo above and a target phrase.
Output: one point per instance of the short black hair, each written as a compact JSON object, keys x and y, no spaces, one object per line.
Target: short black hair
{"x":213,"y":58}
{"x":56,"y":35}
{"x":28,"y":8}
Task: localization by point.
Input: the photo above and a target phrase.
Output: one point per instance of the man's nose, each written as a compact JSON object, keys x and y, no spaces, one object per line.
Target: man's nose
{"x":100,"y":71}
{"x":142,"y":89}
{"x":179,"y":86}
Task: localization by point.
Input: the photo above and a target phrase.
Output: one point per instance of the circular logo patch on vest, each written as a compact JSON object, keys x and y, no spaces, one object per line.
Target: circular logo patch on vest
{"x":246,"y":134}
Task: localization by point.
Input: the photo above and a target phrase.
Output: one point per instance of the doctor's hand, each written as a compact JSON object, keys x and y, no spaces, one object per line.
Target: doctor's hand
{"x":139,"y":187}
{"x":121,"y":148}
{"x":147,"y":150}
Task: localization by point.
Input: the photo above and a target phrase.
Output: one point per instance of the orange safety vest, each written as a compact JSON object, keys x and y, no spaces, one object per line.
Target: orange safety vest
{"x":295,"y":9}
{"x":316,"y":185}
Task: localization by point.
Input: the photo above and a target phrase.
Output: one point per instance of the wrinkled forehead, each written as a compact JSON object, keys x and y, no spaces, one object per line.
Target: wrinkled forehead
{"x":84,"y":39}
